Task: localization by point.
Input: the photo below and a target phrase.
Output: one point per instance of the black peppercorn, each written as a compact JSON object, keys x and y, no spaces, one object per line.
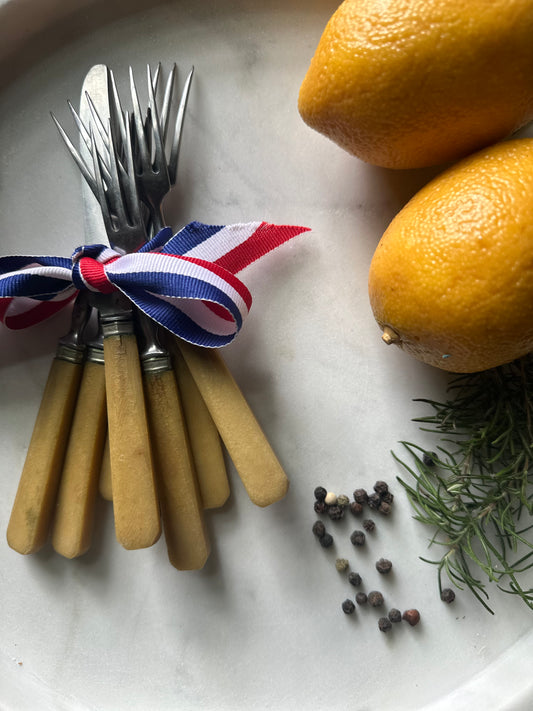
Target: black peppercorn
{"x":384,"y":508}
{"x":395,"y":615}
{"x":387,"y":498}
{"x":384,"y":624}
{"x":375,"y":598}
{"x":447,"y":595}
{"x":354,"y":579}
{"x":358,"y":538}
{"x":381,"y":487}
{"x":319,"y":529}
{"x":356,"y":508}
{"x":320,"y":493}
{"x":369,"y":525}
{"x":360,"y":496}
{"x":374,"y":501}
{"x":430,"y":458}
{"x":412,"y":617}
{"x":348,"y":607}
{"x":326,"y":540}
{"x":320,"y":507}
{"x":383,"y":566}
{"x":335,"y":512}
{"x":361,"y":598}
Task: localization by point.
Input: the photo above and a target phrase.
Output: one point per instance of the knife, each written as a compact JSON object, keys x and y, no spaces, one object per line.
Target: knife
{"x":135,"y":501}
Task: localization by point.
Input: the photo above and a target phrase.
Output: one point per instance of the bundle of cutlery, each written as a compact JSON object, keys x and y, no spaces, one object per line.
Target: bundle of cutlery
{"x":139,"y":406}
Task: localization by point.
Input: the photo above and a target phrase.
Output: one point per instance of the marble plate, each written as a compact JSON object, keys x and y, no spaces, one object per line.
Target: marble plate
{"x":260,"y":627}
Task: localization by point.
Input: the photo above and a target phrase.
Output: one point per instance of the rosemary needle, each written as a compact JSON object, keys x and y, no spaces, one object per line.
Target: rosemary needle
{"x":475,"y":491}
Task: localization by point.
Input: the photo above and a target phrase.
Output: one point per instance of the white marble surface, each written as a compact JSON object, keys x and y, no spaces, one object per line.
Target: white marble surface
{"x":260,"y":627}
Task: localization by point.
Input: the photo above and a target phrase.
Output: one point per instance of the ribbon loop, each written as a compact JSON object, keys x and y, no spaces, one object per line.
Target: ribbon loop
{"x":185,"y":282}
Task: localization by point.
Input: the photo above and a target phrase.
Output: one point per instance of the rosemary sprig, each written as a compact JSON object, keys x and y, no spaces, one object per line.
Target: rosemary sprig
{"x":475,"y":490}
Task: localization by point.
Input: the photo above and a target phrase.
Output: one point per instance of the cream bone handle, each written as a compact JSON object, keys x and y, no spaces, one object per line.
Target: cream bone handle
{"x":181,"y":507}
{"x":31,"y":516}
{"x":206,"y":445}
{"x":255,"y":461}
{"x":135,"y":501}
{"x":76,"y":500}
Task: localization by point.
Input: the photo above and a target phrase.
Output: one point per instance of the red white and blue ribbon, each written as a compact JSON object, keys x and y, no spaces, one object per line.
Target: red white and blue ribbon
{"x":185,"y":282}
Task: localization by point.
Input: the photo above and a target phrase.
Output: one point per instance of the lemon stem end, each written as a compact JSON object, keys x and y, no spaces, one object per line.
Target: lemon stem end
{"x":390,"y":336}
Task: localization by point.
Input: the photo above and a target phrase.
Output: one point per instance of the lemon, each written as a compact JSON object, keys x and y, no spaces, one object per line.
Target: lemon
{"x":451,"y":281}
{"x":413,"y":83}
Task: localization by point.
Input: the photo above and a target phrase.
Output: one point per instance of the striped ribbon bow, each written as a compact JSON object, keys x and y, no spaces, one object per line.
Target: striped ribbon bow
{"x":185,"y":282}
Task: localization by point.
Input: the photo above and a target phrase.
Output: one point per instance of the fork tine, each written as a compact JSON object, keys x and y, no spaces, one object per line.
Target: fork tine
{"x":142,"y":145}
{"x":159,"y":159}
{"x":82,"y":165}
{"x":115,"y":108}
{"x":102,"y":133}
{"x":100,"y":193}
{"x":176,"y":139}
{"x":167,"y":100}
{"x":129,"y":182}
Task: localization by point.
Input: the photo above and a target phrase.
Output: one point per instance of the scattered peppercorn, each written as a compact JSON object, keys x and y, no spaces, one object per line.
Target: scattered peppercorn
{"x":360,"y":496}
{"x":369,"y":525}
{"x":326,"y":540}
{"x":335,"y":512}
{"x":320,"y":507}
{"x":374,"y":501}
{"x":375,"y":599}
{"x":330,"y":498}
{"x":361,"y":598}
{"x":320,"y":493}
{"x":358,"y":538}
{"x":384,"y":624}
{"x":412,"y":617}
{"x":319,"y":529}
{"x":356,"y":508}
{"x":355,"y":579}
{"x":383,"y":566}
{"x":343,"y":501}
{"x":447,"y":595}
{"x":387,"y":498}
{"x":395,"y":615}
{"x":381,"y":487}
{"x":384,"y":508}
{"x":348,"y":607}
{"x":341,"y":564}
{"x":430,"y":458}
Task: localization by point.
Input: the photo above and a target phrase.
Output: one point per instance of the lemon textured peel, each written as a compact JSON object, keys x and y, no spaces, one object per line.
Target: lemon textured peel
{"x":413,"y":83}
{"x":451,"y":281}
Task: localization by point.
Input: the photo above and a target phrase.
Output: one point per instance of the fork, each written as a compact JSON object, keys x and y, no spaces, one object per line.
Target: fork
{"x":249,"y":449}
{"x":135,"y":502}
{"x":156,"y":175}
{"x":180,"y":499}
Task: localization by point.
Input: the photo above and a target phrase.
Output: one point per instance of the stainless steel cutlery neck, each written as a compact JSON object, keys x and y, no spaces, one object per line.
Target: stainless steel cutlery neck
{"x":156,"y":363}
{"x":71,"y":352}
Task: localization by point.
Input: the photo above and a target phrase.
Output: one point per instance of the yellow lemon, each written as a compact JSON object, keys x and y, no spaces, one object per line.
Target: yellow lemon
{"x":451,"y":281}
{"x":413,"y":83}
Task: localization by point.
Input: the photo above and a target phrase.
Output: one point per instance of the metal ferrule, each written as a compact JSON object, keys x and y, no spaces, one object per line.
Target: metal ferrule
{"x":154,"y":357}
{"x":117,"y":326}
{"x":71,"y":353}
{"x":71,"y":346}
{"x":155,"y":364}
{"x":95,"y":354}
